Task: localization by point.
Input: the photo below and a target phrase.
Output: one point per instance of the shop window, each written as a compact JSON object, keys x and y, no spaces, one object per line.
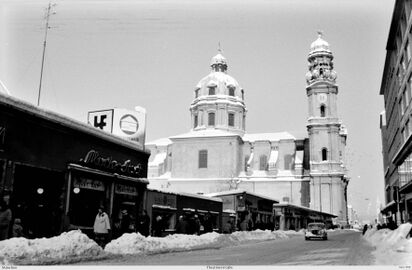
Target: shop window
{"x":231,"y":119}
{"x":263,"y":163}
{"x":203,"y":159}
{"x":324,"y":154}
{"x":86,"y":196}
{"x":322,"y":111}
{"x":211,"y":119}
{"x":38,"y":200}
{"x":168,"y":221}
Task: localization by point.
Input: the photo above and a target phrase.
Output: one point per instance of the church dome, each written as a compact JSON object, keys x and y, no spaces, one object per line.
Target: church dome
{"x":320,"y":46}
{"x":218,"y":59}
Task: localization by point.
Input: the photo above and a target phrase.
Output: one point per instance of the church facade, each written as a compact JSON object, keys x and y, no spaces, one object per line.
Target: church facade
{"x":217,"y":154}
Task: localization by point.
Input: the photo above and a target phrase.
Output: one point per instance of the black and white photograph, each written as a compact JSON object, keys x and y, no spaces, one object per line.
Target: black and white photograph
{"x":206,"y":134}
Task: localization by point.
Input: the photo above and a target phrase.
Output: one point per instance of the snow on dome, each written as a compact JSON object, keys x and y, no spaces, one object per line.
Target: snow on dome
{"x":319,"y":45}
{"x":65,"y":247}
{"x":218,"y":59}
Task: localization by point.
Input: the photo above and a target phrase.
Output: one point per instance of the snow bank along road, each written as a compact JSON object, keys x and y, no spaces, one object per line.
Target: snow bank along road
{"x":343,"y":248}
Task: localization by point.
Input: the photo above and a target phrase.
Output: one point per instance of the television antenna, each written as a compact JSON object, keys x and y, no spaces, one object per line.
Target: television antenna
{"x":47,"y":17}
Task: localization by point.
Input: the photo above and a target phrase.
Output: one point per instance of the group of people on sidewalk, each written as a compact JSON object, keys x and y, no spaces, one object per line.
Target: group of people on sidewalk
{"x":9,"y":227}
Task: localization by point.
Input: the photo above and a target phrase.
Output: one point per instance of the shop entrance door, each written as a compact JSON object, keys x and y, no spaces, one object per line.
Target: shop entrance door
{"x":38,"y":200}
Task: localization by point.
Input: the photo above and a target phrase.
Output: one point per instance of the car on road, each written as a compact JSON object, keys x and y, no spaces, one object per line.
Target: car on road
{"x":316,"y":230}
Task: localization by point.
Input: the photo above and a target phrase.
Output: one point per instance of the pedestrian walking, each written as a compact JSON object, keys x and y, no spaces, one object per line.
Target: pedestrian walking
{"x":365,"y":228}
{"x":158,"y":227}
{"x":124,"y":222}
{"x":101,"y":227}
{"x":227,"y":227}
{"x":5,"y":219}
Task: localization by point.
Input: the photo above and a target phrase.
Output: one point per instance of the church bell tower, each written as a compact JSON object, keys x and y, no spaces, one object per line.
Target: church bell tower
{"x":327,"y":136}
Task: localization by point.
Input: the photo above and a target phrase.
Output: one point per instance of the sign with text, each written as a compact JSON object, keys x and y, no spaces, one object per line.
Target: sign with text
{"x":101,"y":119}
{"x":125,"y":189}
{"x":85,"y":183}
{"x":165,"y":199}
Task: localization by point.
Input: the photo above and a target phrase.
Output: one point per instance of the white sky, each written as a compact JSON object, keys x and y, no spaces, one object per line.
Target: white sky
{"x":104,"y":53}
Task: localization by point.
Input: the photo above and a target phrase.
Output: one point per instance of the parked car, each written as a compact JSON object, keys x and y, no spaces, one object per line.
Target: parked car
{"x":316,"y":230}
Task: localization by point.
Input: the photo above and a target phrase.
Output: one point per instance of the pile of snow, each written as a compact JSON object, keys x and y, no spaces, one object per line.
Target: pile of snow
{"x":68,"y":245}
{"x":392,"y":247}
{"x":134,"y":243}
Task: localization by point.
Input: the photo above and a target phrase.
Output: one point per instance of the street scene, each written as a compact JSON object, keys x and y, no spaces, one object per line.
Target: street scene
{"x":210,"y":134}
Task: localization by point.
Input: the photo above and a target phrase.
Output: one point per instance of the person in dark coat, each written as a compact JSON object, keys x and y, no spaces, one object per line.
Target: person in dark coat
{"x":5,"y":219}
{"x":17,"y":228}
{"x":144,"y":224}
{"x":181,"y":225}
{"x":208,"y":223}
{"x":158,"y":227}
{"x":365,"y":228}
{"x":124,"y":222}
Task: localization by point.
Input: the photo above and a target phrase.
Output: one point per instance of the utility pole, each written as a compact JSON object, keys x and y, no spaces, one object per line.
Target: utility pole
{"x":44,"y":47}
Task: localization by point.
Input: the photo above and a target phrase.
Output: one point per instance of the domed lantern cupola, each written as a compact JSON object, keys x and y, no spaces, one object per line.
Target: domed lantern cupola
{"x":320,"y":60}
{"x":218,"y":100}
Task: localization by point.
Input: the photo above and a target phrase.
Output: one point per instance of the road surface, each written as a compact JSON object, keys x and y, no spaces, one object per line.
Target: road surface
{"x":342,"y":248}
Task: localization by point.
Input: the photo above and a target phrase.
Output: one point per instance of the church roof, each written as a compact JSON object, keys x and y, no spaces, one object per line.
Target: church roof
{"x":268,"y":136}
{"x":204,"y":133}
{"x":160,"y":142}
{"x":239,"y":191}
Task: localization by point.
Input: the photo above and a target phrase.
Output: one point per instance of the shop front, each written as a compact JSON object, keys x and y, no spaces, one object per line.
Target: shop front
{"x":56,"y":172}
{"x":255,"y":209}
{"x":163,"y":205}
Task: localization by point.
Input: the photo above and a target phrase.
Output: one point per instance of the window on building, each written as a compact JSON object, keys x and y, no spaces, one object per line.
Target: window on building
{"x":322,"y":111}
{"x":195,"y":121}
{"x":231,"y":119}
{"x":324,"y":154}
{"x":231,"y":91}
{"x":196,"y":93}
{"x":243,"y":94}
{"x":263,"y":162}
{"x":246,"y":160}
{"x":203,"y":159}
{"x":211,"y":119}
{"x":212,"y":90}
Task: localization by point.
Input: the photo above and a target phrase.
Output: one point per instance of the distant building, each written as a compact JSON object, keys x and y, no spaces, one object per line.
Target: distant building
{"x":219,"y":155}
{"x":396,"y":120}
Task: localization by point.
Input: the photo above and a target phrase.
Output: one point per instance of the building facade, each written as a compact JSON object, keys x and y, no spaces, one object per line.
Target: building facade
{"x":217,"y":154}
{"x":395,"y":120}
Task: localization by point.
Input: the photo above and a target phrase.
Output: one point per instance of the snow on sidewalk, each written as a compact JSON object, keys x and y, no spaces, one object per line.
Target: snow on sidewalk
{"x":134,"y":243}
{"x":67,"y":246}
{"x":392,"y":247}
{"x":75,"y":245}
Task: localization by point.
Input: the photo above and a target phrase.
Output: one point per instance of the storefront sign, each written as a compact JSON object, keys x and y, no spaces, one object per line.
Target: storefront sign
{"x":88,"y":184}
{"x":101,"y":119}
{"x":2,"y":137}
{"x":125,"y":189}
{"x":165,"y":199}
{"x":94,"y":159}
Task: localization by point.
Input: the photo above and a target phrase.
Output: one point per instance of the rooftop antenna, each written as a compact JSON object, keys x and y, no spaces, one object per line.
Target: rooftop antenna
{"x":47,"y":16}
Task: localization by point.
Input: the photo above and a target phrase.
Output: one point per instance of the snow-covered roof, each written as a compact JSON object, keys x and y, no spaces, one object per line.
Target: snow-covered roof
{"x":26,"y":107}
{"x":303,"y":208}
{"x":204,"y":197}
{"x":205,"y":133}
{"x":159,"y":159}
{"x":160,"y":142}
{"x":268,"y":136}
{"x":239,"y":191}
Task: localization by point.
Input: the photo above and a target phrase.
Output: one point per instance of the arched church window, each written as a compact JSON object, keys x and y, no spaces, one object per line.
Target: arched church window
{"x":231,"y":91}
{"x":263,"y":162}
{"x":196,"y":121}
{"x":322,"y":111}
{"x":211,"y":119}
{"x":324,"y":154}
{"x":203,"y":159}
{"x":212,"y":90}
{"x":231,"y":119}
{"x":246,"y":160}
{"x":197,"y":93}
{"x":243,"y":94}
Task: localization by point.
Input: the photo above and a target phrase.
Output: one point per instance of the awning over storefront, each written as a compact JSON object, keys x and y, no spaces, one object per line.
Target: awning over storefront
{"x":391,"y":206}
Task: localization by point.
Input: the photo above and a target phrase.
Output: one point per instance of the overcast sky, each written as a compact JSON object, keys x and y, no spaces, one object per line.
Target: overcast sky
{"x":103,"y":54}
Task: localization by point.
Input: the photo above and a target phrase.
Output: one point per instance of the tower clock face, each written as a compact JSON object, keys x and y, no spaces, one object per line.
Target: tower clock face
{"x":322,"y":98}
